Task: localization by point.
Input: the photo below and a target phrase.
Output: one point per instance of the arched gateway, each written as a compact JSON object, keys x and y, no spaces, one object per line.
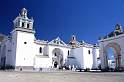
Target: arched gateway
{"x":57,"y":58}
{"x":114,"y":40}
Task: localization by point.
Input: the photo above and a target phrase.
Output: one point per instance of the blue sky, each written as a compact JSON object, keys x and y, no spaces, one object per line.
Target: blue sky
{"x":110,"y":53}
{"x":87,"y":19}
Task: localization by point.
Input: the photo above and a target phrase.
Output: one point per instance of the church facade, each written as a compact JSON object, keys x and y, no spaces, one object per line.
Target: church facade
{"x":21,"y":50}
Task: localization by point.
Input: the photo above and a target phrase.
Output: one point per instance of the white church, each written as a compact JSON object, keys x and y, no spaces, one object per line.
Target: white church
{"x":21,"y":50}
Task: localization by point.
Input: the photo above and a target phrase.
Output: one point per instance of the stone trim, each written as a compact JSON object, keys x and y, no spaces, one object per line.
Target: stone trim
{"x":24,"y":30}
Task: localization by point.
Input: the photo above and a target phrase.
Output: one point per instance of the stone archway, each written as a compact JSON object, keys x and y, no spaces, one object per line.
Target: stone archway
{"x":117,"y":54}
{"x":57,"y":58}
{"x":115,"y":41}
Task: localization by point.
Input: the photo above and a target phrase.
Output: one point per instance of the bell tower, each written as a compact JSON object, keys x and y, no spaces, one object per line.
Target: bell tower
{"x":23,"y":22}
{"x":23,"y":41}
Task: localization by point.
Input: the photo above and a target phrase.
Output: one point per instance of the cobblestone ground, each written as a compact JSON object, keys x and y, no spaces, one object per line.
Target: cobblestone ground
{"x":61,"y":76}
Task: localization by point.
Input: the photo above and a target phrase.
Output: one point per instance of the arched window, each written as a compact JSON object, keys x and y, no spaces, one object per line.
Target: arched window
{"x":88,"y":51}
{"x":68,"y":52}
{"x":28,"y":25}
{"x":22,"y":24}
{"x":55,"y":54}
{"x":40,"y":50}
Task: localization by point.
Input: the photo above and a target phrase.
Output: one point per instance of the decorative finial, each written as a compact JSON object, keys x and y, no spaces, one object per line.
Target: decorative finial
{"x":24,"y":12}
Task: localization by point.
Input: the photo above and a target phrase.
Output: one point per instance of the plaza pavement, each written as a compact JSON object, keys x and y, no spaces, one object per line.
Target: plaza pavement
{"x":61,"y":76}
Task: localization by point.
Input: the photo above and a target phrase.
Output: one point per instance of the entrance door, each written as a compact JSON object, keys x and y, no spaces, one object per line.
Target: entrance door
{"x":55,"y":64}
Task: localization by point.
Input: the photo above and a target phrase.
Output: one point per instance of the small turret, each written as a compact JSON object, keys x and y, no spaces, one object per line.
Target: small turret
{"x":73,"y":41}
{"x":118,"y":28}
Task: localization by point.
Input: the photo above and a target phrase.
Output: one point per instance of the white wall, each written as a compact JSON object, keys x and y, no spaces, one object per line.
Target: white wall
{"x":37,"y":47}
{"x":78,"y":54}
{"x":25,"y":52}
{"x":13,"y":45}
{"x":88,"y":58}
{"x":42,"y":62}
{"x":83,"y":58}
{"x":95,"y":56}
{"x":8,"y":52}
